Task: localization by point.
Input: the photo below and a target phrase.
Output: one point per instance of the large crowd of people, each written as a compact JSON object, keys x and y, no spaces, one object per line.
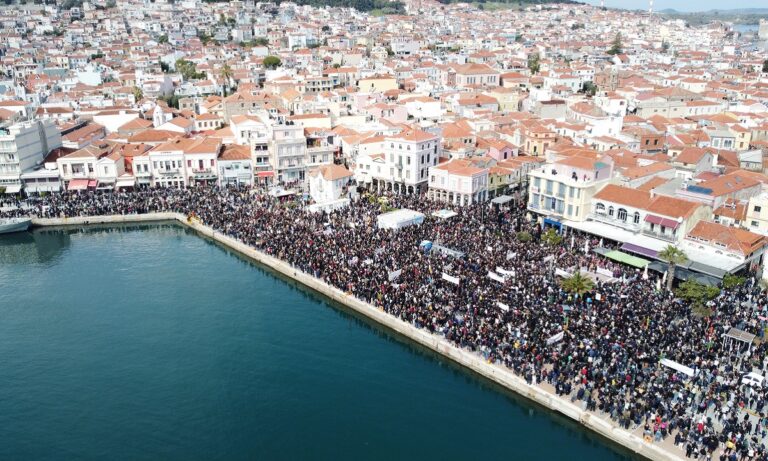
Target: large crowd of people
{"x":601,"y":349}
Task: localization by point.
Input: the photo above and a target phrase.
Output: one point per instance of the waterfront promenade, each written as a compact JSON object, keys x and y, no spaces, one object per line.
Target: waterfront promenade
{"x":593,"y":357}
{"x":541,"y":394}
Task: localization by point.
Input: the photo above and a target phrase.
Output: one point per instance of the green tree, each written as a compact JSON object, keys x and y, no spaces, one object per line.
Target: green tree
{"x":765,"y":65}
{"x":326,"y":28}
{"x":551,"y":237}
{"x":577,"y":284}
{"x":172,"y":100}
{"x":138,"y":95}
{"x":188,"y":69}
{"x":589,"y":88}
{"x":204,"y":38}
{"x":524,"y":236}
{"x":226,"y":75}
{"x":272,"y":62}
{"x":616,"y":46}
{"x":697,"y":295}
{"x":165,"y":68}
{"x":731,"y":281}
{"x":673,"y":256}
{"x":664,"y":47}
{"x":162,"y":39}
{"x":534,"y":63}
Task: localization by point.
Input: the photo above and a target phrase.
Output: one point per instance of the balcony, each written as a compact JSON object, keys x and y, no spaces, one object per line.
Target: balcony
{"x":660,"y":236}
{"x":169,"y":171}
{"x":613,"y":221}
{"x":313,"y":149}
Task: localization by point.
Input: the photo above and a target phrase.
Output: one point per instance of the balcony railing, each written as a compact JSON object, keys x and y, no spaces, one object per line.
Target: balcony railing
{"x":169,"y":171}
{"x":665,"y":237}
{"x":614,"y":221}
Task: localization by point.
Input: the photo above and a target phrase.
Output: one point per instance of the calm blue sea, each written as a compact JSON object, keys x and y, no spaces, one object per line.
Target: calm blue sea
{"x":149,"y":343}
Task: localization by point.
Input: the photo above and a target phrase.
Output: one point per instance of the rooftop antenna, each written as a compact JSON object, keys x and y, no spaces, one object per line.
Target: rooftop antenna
{"x":602,"y":4}
{"x":650,"y":9}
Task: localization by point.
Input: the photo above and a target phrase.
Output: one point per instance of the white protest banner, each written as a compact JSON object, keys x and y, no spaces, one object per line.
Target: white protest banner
{"x":548,"y":258}
{"x":605,"y":272}
{"x":556,"y":338}
{"x":503,"y":306}
{"x":561,"y":273}
{"x":449,"y":278}
{"x":494,"y":276}
{"x":505,"y":273}
{"x":395,"y":274}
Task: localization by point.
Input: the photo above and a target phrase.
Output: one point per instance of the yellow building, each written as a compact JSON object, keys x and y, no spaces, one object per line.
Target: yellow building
{"x":377,"y":83}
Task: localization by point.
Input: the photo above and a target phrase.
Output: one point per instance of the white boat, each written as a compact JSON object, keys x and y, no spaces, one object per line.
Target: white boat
{"x":8,"y":225}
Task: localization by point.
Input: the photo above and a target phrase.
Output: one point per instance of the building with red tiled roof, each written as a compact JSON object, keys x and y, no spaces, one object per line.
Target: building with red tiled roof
{"x":724,"y":247}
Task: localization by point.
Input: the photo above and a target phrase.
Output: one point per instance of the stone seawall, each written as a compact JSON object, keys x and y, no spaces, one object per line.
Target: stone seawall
{"x":498,"y":374}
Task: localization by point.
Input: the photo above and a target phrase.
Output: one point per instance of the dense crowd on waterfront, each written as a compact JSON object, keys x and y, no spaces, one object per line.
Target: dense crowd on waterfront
{"x":612,"y":338}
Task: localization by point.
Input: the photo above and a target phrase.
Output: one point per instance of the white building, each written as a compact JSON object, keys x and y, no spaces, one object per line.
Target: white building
{"x":288,"y":151}
{"x":235,"y":166}
{"x":404,"y":164}
{"x":458,"y":182}
{"x":329,"y":183}
{"x":185,"y":161}
{"x":23,"y":147}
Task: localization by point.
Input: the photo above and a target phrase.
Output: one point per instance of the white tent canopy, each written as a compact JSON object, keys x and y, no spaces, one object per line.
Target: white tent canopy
{"x":399,"y":219}
{"x":678,"y":367}
{"x":444,"y":214}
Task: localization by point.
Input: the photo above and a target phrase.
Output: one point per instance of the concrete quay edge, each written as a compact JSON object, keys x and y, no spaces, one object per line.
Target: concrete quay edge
{"x":495,"y":373}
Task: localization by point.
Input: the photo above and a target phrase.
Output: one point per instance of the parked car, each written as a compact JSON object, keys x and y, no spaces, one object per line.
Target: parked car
{"x":753,"y":379}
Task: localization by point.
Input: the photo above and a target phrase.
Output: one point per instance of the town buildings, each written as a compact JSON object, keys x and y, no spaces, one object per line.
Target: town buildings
{"x":646,"y":147}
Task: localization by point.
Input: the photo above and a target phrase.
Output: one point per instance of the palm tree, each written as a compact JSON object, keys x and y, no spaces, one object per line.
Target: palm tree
{"x":138,"y":95}
{"x":226,"y":75}
{"x":673,"y":256}
{"x":578,"y":284}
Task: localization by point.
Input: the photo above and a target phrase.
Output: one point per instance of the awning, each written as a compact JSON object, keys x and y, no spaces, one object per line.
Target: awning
{"x":502,"y":199}
{"x":92,"y":183}
{"x":78,"y":184}
{"x":444,"y":214}
{"x":684,"y":274}
{"x":666,"y":222}
{"x":121,"y":182}
{"x":622,"y":257}
{"x":13,"y":189}
{"x":637,"y":249}
{"x":740,"y":335}
{"x":265,"y":174}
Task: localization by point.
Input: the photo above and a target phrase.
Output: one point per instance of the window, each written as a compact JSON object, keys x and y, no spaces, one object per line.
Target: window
{"x":622,"y":214}
{"x":600,"y":208}
{"x":636,"y":219}
{"x":754,"y":224}
{"x":757,"y":209}
{"x":610,"y":211}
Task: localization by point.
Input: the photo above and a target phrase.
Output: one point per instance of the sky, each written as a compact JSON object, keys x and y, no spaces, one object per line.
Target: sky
{"x":684,"y":5}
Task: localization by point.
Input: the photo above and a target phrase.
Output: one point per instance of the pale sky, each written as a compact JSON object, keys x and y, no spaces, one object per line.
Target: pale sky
{"x":684,"y":5}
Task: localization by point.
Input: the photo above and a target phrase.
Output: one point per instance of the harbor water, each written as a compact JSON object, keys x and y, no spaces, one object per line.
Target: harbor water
{"x":149,"y":342}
